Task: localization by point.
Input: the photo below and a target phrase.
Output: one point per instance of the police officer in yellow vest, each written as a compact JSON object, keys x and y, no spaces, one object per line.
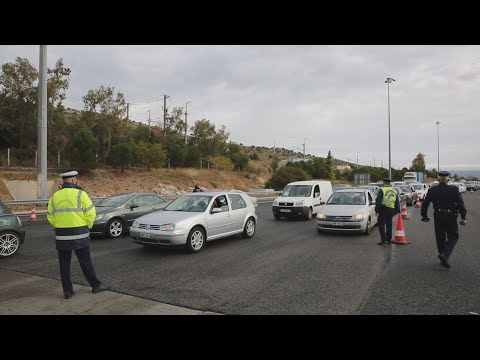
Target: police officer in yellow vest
{"x":386,"y":207}
{"x":71,"y":213}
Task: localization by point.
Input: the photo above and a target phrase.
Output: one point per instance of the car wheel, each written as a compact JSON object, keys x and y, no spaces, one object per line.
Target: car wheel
{"x":196,"y":240}
{"x":309,"y":214}
{"x":9,"y":243}
{"x":368,"y":228}
{"x":115,"y":228}
{"x":249,"y":229}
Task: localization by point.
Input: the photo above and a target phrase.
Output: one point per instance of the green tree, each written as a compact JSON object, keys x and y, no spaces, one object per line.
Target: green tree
{"x":254,"y":156}
{"x":238,"y":156}
{"x":121,"y":155}
{"x":418,"y":164}
{"x":286,"y":175}
{"x":84,"y":149}
{"x":329,"y":174}
{"x":207,"y":139}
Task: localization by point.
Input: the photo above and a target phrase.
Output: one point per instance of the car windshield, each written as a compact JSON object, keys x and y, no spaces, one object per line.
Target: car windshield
{"x":418,"y":187}
{"x":297,"y":191}
{"x":113,"y":201}
{"x":347,"y":198}
{"x":189,"y":203}
{"x":405,"y":189}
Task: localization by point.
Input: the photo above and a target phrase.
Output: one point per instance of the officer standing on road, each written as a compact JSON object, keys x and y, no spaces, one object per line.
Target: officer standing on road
{"x":386,"y":207}
{"x":71,"y":213}
{"x":447,"y":203}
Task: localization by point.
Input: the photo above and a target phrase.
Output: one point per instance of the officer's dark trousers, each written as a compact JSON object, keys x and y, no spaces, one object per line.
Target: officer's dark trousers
{"x":385,"y":217}
{"x":83,"y":256}
{"x":446,"y":232}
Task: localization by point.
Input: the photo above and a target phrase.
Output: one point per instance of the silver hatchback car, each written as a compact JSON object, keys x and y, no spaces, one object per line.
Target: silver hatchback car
{"x":192,"y":219}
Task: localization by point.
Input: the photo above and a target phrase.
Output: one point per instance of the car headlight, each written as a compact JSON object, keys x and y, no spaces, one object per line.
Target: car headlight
{"x":135,"y":224}
{"x":275,"y":202}
{"x":99,"y":217}
{"x":167,"y":227}
{"x":321,"y":216}
{"x":358,"y":217}
{"x":299,"y":202}
{"x":19,"y":221}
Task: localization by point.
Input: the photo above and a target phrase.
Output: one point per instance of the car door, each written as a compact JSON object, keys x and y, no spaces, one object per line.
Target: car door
{"x":138,"y":206}
{"x":239,"y":211}
{"x":219,"y":223}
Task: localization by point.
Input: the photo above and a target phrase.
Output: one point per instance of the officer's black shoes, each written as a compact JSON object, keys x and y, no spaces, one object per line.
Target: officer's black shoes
{"x":69,"y":294}
{"x":99,"y":288}
{"x":381,"y":243}
{"x":444,"y":261}
{"x":389,"y":242}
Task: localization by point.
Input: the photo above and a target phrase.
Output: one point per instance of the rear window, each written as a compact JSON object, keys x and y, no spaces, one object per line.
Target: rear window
{"x":4,"y":209}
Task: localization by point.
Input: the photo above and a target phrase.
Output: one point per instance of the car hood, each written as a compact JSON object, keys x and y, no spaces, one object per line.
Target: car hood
{"x":342,"y":210}
{"x":166,"y":217}
{"x":291,"y":199}
{"x":104,"y":210}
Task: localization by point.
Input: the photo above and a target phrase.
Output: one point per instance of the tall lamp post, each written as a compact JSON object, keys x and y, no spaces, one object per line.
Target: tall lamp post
{"x":438,"y":149}
{"x":388,"y":81}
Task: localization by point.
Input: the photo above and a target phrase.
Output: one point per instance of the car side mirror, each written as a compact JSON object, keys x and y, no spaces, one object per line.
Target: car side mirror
{"x":216,"y":210}
{"x":133,"y":207}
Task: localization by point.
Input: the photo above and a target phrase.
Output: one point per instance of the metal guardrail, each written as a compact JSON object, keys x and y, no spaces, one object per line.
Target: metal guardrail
{"x":37,"y":202}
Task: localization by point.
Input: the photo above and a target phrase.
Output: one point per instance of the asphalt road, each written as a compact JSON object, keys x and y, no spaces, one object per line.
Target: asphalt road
{"x":286,"y":268}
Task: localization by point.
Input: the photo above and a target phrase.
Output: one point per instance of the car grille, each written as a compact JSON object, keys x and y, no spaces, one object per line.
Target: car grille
{"x":338,"y":218}
{"x":149,"y":227}
{"x":348,"y":227}
{"x":285,"y":204}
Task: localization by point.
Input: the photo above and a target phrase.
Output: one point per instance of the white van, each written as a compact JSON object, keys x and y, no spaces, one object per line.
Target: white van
{"x":302,"y":198}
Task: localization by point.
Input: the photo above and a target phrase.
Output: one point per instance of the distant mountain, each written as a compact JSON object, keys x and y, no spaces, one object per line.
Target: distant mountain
{"x":465,"y":174}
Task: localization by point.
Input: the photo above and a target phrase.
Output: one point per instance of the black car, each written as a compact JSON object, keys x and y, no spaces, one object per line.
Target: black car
{"x":115,"y":214}
{"x":12,"y":234}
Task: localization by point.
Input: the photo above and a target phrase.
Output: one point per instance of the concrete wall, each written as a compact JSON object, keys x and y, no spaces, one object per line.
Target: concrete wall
{"x":27,"y":189}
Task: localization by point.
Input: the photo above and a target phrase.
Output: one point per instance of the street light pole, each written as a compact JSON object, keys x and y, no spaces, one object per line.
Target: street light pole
{"x":186,"y":126}
{"x":388,"y":81}
{"x":438,"y":149}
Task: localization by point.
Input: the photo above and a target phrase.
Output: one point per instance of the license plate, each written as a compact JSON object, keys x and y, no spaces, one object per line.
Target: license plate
{"x":337,"y":224}
{"x":285,"y":210}
{"x":146,"y":236}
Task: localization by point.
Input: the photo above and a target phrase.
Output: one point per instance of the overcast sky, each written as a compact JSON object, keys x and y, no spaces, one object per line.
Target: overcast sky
{"x":328,"y":97}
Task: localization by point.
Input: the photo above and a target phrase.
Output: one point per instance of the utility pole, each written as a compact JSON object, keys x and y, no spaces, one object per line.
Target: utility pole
{"x":388,"y":81}
{"x":357,"y":160}
{"x":128,"y":108}
{"x":149,"y":127}
{"x":165,"y":110}
{"x":42,"y":125}
{"x":186,"y":126}
{"x":438,"y":149}
{"x":304,"y":148}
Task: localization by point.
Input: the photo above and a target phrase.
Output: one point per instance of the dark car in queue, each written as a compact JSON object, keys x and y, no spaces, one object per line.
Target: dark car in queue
{"x":12,"y":234}
{"x":116,"y":214}
{"x":409,"y":192}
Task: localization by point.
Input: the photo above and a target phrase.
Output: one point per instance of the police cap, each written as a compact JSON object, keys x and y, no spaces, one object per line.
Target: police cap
{"x":443,"y":174}
{"x":69,"y":174}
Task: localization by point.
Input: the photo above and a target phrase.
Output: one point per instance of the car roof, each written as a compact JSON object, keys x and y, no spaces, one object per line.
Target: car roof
{"x":309,"y":182}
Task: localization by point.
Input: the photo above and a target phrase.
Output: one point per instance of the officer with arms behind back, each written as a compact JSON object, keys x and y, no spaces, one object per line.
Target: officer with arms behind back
{"x":447,"y":203}
{"x":71,"y":213}
{"x":386,"y":207}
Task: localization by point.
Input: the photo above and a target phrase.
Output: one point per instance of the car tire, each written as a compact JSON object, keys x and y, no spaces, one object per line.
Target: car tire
{"x":9,"y":243}
{"x":196,"y":240}
{"x":369,"y":227}
{"x":249,"y":229}
{"x":309,"y":215}
{"x":115,"y":228}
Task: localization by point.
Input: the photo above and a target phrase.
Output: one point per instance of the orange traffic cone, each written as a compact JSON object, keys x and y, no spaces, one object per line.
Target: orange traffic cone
{"x":400,"y":233}
{"x":404,"y":210}
{"x":33,"y":214}
{"x":417,"y":203}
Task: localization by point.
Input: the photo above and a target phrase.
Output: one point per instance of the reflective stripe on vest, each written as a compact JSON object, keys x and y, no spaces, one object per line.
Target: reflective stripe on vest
{"x":389,"y":197}
{"x":77,"y":209}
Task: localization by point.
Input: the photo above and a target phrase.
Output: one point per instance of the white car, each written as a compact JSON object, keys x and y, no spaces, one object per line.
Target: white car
{"x":351,"y":210}
{"x":193,"y":219}
{"x":420,"y":189}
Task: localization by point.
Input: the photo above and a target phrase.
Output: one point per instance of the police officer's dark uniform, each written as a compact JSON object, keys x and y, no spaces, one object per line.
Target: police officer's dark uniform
{"x":387,"y":206}
{"x":197,"y":189}
{"x":72,"y":213}
{"x":447,"y":203}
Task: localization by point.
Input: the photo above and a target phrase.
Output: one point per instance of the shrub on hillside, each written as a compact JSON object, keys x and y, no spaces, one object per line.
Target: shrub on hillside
{"x":285,"y":175}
